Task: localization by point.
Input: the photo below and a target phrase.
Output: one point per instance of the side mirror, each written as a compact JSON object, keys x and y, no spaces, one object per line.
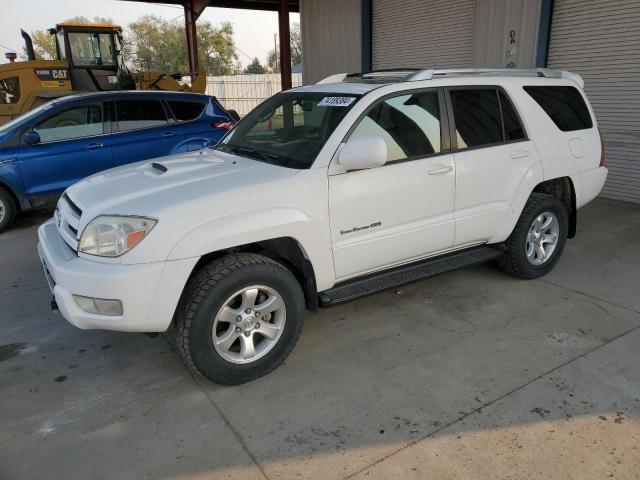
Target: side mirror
{"x":233,"y":114}
{"x":32,"y":137}
{"x":363,"y":152}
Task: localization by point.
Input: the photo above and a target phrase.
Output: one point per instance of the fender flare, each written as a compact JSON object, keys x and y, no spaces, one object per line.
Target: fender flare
{"x":259,"y":225}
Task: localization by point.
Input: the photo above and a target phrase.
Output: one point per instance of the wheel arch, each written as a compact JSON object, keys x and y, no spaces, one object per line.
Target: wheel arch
{"x":21,"y":202}
{"x":564,"y":190}
{"x":285,"y":250}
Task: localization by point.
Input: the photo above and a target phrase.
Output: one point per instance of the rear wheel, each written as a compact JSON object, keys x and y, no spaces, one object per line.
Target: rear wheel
{"x":7,"y":209}
{"x":240,"y":317}
{"x":538,"y":239}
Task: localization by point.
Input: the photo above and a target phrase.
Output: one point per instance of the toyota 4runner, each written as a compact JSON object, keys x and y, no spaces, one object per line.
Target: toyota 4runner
{"x":320,"y":195}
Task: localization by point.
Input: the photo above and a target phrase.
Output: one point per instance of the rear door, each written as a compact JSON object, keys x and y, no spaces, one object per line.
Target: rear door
{"x":492,"y":156}
{"x":142,"y":130}
{"x":74,"y":143}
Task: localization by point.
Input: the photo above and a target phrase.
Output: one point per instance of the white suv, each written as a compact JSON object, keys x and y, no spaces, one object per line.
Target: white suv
{"x":320,"y":195}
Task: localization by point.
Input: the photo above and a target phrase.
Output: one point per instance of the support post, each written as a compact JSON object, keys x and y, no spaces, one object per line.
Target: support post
{"x":285,"y":44}
{"x":192,"y":11}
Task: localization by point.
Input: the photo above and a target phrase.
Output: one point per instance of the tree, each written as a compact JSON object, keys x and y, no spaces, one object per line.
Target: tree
{"x":158,"y":45}
{"x":44,"y":44}
{"x":273,"y":58}
{"x":255,"y":67}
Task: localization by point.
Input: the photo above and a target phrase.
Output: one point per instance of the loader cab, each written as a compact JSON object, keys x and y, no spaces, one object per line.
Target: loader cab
{"x":94,"y":55}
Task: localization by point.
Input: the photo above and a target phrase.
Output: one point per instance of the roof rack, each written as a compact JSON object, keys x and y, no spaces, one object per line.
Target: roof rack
{"x":414,"y":75}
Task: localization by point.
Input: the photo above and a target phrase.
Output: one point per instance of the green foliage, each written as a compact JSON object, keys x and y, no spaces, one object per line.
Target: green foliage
{"x":255,"y":67}
{"x":273,"y":59}
{"x":157,"y":45}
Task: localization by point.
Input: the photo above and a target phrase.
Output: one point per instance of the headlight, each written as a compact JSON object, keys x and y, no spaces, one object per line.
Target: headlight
{"x":111,"y":236}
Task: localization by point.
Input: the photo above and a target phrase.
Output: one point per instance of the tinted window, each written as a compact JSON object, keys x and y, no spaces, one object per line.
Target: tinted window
{"x":477,"y":117}
{"x":134,"y":114}
{"x":564,"y":105}
{"x":512,"y":127}
{"x":84,"y":121}
{"x":409,"y":124}
{"x":9,"y":90}
{"x":184,"y":111}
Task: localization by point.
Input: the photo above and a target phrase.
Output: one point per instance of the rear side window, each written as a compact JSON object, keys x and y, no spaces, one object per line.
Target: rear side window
{"x":564,"y":105}
{"x":409,"y":125}
{"x":136,"y":114}
{"x":185,"y":111}
{"x":477,"y":117}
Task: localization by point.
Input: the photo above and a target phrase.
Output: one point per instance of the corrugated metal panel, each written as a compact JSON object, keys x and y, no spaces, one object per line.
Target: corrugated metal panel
{"x":600,"y":40}
{"x":331,"y":36}
{"x":419,"y":33}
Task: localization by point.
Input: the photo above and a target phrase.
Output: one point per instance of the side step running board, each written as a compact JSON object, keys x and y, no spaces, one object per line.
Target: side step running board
{"x":403,"y":274}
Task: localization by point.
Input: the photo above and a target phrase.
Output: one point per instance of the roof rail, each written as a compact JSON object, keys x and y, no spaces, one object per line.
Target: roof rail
{"x":414,"y":75}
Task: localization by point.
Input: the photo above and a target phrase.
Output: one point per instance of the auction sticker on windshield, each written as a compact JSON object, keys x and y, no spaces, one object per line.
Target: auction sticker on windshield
{"x":336,"y":101}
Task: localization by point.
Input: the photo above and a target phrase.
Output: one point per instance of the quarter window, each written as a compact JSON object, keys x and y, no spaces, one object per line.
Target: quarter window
{"x":564,"y":105}
{"x":185,"y":111}
{"x":78,"y":122}
{"x":409,"y":125}
{"x":477,"y":117}
{"x":136,"y":114}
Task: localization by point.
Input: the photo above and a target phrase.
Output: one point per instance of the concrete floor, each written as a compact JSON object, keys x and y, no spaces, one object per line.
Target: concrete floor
{"x":468,"y":375}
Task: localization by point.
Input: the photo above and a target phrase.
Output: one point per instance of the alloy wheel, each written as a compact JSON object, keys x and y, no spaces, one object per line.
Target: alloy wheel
{"x":249,"y":324}
{"x":542,"y":238}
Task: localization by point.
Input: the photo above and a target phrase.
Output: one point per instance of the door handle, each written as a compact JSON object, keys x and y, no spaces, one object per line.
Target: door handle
{"x":94,"y":146}
{"x":520,"y":154}
{"x":441,"y":169}
{"x":168,"y":135}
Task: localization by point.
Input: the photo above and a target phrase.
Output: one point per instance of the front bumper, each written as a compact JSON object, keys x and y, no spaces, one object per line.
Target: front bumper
{"x":149,"y":292}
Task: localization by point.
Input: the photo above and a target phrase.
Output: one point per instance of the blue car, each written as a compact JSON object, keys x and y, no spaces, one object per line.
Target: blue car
{"x":67,"y":139}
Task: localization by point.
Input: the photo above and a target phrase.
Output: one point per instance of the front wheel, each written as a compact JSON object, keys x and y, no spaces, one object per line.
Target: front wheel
{"x":538,"y":239}
{"x":240,"y":317}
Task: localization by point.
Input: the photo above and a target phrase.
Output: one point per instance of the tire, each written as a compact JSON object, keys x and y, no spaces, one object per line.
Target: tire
{"x":8,"y":209}
{"x":519,"y":260}
{"x":216,"y":305}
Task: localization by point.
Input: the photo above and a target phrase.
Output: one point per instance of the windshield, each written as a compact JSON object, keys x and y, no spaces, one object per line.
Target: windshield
{"x":92,"y":48}
{"x":289,"y":129}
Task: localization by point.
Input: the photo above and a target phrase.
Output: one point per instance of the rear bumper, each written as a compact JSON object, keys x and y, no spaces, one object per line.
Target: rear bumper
{"x":591,"y":183}
{"x":149,"y":292}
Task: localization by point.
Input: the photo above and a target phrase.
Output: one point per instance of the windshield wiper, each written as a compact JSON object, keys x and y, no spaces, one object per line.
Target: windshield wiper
{"x":267,"y":157}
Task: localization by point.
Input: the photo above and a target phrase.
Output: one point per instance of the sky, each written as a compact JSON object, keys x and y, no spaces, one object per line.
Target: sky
{"x":253,"y":30}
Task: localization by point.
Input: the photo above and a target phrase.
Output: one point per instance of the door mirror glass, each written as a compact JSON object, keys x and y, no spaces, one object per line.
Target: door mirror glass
{"x":363,"y":152}
{"x":32,"y":137}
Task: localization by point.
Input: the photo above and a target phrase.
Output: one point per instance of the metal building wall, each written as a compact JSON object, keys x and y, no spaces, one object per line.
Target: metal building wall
{"x":600,"y":40}
{"x":331,"y":37}
{"x":420,"y":33}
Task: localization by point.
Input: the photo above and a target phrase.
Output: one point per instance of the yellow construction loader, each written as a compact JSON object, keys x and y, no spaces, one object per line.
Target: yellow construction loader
{"x":89,"y":59}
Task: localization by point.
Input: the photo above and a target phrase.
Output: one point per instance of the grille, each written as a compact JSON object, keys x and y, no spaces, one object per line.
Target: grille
{"x":67,"y":216}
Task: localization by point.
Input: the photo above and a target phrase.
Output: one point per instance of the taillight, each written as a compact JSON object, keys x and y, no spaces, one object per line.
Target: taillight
{"x":601,"y":148}
{"x":226,"y":125}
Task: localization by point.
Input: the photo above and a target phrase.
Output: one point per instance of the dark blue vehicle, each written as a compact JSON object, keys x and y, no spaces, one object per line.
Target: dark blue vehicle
{"x":67,"y":139}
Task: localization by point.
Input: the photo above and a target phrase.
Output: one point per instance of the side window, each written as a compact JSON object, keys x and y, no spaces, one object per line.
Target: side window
{"x":9,"y":90}
{"x":136,"y":114}
{"x":78,"y":122}
{"x":512,"y":127}
{"x":185,"y":111}
{"x":564,"y":105}
{"x":409,"y":124}
{"x":477,"y":117}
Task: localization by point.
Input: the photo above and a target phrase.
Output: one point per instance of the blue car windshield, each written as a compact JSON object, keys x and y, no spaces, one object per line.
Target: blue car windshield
{"x":288,"y":129}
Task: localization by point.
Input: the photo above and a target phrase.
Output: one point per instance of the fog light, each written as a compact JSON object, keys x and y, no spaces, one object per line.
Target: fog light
{"x":99,"y":306}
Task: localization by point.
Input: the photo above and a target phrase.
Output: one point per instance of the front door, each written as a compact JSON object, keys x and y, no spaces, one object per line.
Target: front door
{"x":72,"y":145}
{"x":403,"y":210}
